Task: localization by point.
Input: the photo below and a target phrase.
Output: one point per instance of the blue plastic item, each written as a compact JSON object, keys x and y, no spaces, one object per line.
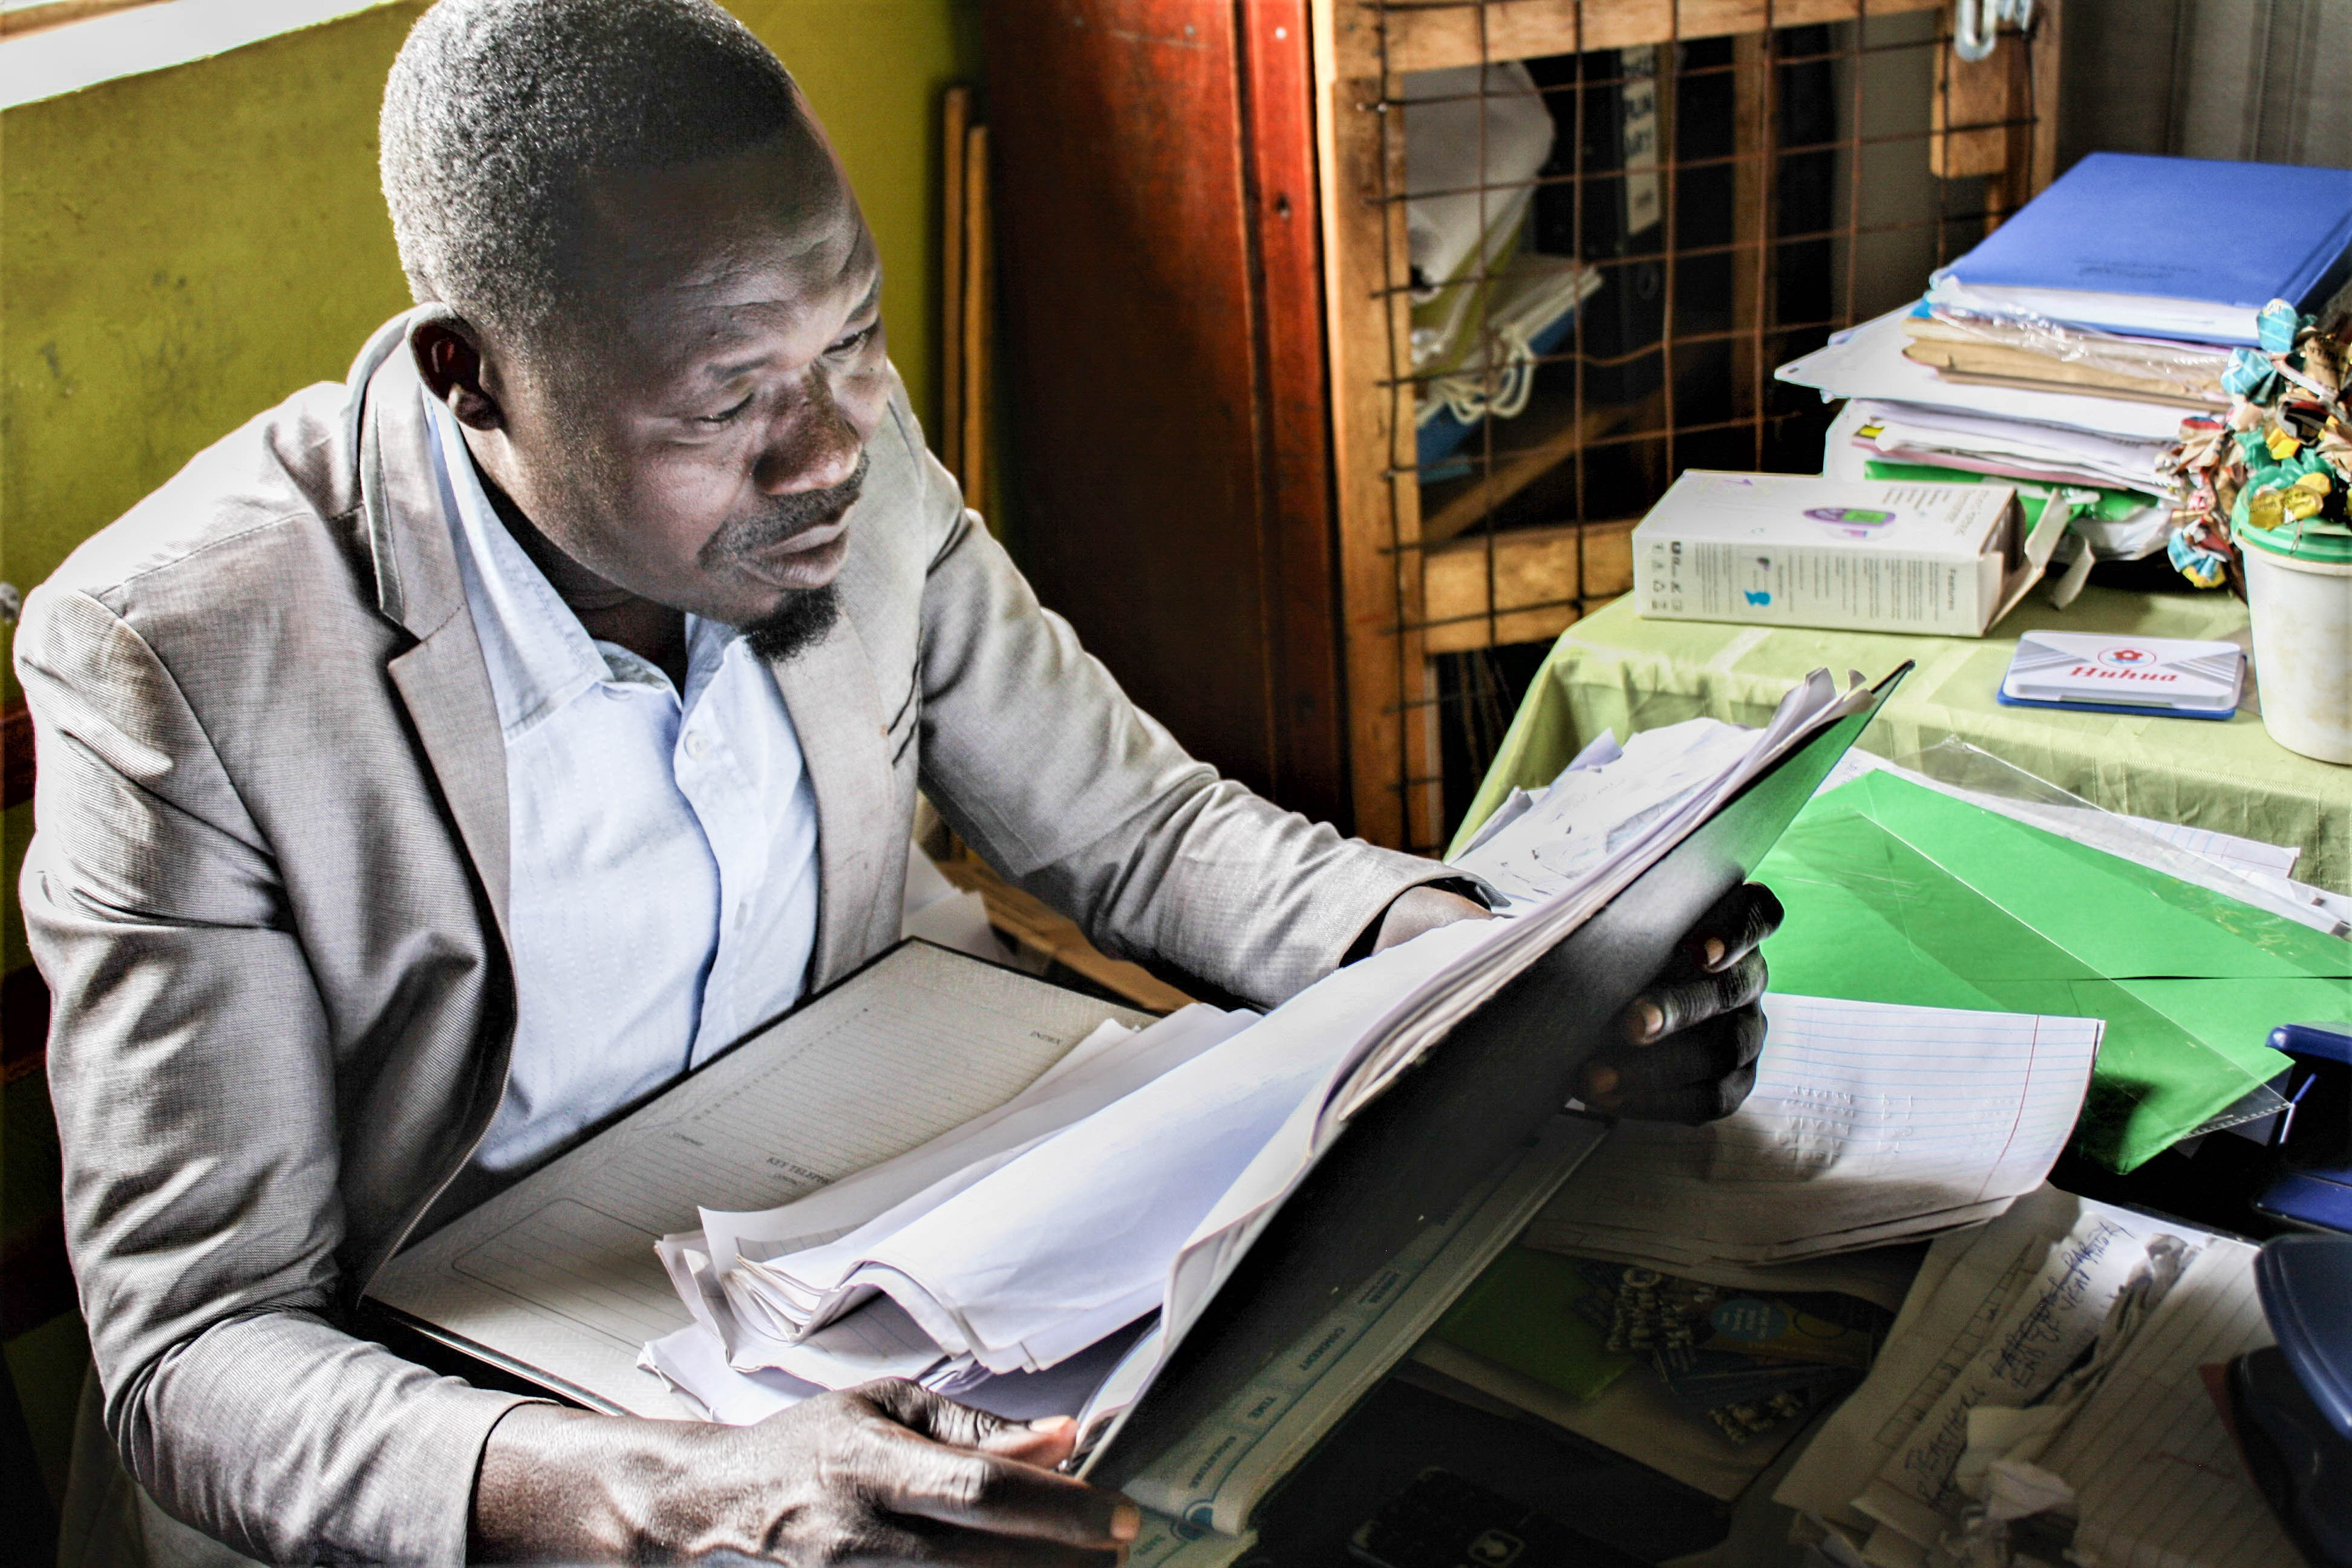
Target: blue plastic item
{"x":2312,"y":1184}
{"x":2294,"y":1400}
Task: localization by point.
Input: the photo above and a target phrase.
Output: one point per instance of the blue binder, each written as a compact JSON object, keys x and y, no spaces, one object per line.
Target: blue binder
{"x":2119,"y":228}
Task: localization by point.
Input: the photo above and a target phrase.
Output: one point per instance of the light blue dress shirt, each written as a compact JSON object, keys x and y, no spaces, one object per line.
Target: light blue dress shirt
{"x":663,"y":846}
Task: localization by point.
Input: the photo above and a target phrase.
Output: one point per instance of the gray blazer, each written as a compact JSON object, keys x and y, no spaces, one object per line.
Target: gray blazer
{"x":268,"y":891}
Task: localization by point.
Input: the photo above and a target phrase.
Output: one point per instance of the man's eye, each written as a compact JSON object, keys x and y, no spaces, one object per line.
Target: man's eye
{"x":855,"y":341}
{"x":727,"y":417}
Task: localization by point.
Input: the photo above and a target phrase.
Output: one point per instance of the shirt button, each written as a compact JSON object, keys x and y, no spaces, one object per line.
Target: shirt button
{"x":696,"y":746}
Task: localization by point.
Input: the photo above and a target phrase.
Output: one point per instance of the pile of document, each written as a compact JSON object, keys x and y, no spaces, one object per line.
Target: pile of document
{"x":2039,"y":1398}
{"x":1126,"y":1181}
{"x":2024,"y":361}
{"x":1904,"y":419}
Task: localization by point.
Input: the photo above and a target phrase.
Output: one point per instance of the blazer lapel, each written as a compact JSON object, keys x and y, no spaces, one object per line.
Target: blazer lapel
{"x":442,"y":680}
{"x":837,"y":713}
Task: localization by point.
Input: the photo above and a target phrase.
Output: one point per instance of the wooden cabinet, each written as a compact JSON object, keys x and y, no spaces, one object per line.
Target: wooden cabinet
{"x":1204,"y":326}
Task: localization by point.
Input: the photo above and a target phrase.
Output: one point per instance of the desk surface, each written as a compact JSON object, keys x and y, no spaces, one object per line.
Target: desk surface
{"x":1613,"y":670}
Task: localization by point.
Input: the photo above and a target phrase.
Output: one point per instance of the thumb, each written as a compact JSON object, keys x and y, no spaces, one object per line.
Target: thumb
{"x":1045,"y":1442}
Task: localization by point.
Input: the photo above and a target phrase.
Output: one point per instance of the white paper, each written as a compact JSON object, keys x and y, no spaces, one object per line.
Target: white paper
{"x":2052,"y":1318}
{"x":560,"y":1273}
{"x":1868,"y":1123}
{"x":1994,"y":1319}
{"x":2155,"y":1477}
{"x":2099,"y":458}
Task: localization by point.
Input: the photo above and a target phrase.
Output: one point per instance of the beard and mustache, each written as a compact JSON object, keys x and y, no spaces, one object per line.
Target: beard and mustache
{"x":800,"y":620}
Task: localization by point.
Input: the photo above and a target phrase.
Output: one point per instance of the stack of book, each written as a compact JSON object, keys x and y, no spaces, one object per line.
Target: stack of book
{"x":2066,"y":348}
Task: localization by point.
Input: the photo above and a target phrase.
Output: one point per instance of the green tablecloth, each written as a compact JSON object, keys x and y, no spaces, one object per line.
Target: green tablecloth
{"x":1612,"y":671}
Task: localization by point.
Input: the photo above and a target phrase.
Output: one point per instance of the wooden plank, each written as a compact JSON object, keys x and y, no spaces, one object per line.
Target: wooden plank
{"x":2049,"y":43}
{"x":1137,"y":371}
{"x":1971,"y":92}
{"x":1537,"y":583}
{"x":1378,"y":510}
{"x":19,"y":20}
{"x":1753,"y":99}
{"x":1433,"y":38}
{"x":1305,"y":713}
{"x":978,"y":265}
{"x":955,"y":120}
{"x":1526,"y":449}
{"x":1029,"y":920}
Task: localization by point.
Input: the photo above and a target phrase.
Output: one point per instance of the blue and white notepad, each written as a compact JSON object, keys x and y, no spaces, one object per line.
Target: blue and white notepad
{"x":2125,"y":675}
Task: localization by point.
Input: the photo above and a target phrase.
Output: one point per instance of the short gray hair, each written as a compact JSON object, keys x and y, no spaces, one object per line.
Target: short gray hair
{"x":495,"y":109}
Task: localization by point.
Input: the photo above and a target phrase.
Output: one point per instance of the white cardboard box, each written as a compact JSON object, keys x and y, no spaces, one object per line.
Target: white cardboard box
{"x":1796,"y":550}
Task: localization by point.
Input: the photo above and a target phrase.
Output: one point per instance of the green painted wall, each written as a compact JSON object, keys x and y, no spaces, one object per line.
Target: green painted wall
{"x":182,"y":250}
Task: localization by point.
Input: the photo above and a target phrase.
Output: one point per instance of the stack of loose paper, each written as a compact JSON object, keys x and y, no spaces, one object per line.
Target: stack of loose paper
{"x":2044,"y":1368}
{"x":1868,"y":361}
{"x":1904,"y":413}
{"x":1130,"y":1178}
{"x":869,"y":1277}
{"x":1868,"y":1124}
{"x":2121,"y":523}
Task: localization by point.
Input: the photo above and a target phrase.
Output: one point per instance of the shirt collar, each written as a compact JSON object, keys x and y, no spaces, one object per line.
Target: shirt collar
{"x":539,"y":656}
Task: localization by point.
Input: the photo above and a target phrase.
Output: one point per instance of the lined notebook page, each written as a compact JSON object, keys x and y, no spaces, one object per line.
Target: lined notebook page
{"x":2159,"y":1483}
{"x":1867,"y":1122}
{"x":558,"y":1275}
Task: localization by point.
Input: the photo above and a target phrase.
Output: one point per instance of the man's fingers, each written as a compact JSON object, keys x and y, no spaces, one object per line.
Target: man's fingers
{"x":1735,"y":927}
{"x":909,"y":1474}
{"x":935,"y":1415}
{"x":1713,"y":1050}
{"x":904,"y":1540}
{"x":1693,"y":1103}
{"x":1676,"y":1003}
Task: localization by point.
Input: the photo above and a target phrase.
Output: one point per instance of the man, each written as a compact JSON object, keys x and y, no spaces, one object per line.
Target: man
{"x":445,"y":762}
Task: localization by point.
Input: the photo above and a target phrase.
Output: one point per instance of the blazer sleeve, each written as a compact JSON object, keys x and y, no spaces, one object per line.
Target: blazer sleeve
{"x":189,"y":1062}
{"x":1036,"y":756}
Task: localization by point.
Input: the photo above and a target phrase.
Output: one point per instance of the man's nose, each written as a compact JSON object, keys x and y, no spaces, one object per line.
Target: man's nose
{"x":811,"y":446}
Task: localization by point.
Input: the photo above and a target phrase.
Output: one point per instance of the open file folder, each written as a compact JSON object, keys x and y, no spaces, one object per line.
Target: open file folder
{"x":1415,"y":1156}
{"x":1427,"y":1176}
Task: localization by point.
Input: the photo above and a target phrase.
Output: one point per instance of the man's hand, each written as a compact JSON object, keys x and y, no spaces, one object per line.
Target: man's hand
{"x":1692,"y":1037}
{"x":886,"y":1473}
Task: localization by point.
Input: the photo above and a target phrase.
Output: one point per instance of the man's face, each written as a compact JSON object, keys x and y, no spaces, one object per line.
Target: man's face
{"x":698,"y":437}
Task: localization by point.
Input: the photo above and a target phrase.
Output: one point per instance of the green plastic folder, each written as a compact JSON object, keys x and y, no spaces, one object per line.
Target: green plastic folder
{"x":1899,"y":893}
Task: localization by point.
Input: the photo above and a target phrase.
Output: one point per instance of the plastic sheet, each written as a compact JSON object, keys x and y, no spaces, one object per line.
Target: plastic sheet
{"x":2027,"y":900}
{"x":2029,"y":347}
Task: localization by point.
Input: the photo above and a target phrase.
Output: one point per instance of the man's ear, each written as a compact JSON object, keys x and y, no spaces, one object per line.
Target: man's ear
{"x":450,"y":358}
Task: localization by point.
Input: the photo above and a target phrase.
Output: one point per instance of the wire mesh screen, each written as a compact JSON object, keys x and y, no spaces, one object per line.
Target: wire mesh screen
{"x":1599,"y":228}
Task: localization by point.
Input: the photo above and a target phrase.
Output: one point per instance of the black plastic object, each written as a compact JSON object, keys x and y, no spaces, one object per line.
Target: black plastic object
{"x":1445,"y":1521}
{"x":2313,"y":1183}
{"x":1448,"y":1123}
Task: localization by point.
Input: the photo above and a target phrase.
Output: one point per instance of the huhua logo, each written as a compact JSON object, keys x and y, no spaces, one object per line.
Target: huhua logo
{"x":2127,"y":657}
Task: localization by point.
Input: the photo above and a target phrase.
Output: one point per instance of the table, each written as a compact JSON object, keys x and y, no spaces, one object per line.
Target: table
{"x":1613,"y":670}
